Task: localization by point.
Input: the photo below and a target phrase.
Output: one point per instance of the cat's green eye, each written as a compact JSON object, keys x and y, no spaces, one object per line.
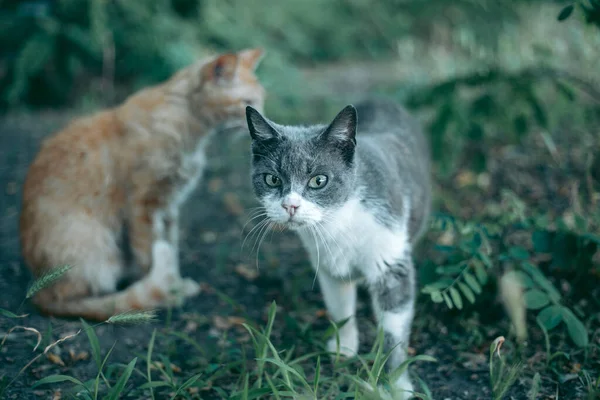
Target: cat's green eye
{"x":272,"y":180}
{"x":317,"y":181}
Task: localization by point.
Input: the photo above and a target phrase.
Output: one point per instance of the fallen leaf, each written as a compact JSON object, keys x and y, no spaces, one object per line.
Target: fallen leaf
{"x":215,"y":185}
{"x":321,"y":313}
{"x":55,"y":359}
{"x":465,"y":178}
{"x":209,"y":237}
{"x":225,"y":323}
{"x":221,"y":323}
{"x":57,"y":395}
{"x":233,"y":204}
{"x":160,"y":365}
{"x":83,"y":355}
{"x":247,"y":272}
{"x":190,"y":326}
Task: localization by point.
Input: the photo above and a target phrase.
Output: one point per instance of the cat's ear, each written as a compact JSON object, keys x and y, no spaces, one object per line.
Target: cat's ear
{"x":259,"y":127}
{"x":250,"y":58}
{"x":343,"y":127}
{"x":223,"y":68}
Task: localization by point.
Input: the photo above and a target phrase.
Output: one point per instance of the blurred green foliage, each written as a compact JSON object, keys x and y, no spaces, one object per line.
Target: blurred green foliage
{"x":65,"y":52}
{"x":52,"y":50}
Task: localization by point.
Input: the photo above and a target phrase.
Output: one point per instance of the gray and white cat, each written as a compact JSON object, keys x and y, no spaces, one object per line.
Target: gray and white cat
{"x":359,"y":204}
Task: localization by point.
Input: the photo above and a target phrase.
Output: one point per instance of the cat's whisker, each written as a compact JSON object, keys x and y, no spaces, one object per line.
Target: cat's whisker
{"x":269,"y":226}
{"x":260,"y":233}
{"x":312,"y":230}
{"x":255,"y":229}
{"x":331,"y":253}
{"x":324,"y":229}
{"x":252,"y":219}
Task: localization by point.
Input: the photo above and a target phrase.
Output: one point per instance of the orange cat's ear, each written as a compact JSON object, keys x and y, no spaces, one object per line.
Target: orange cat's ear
{"x":223,"y":68}
{"x":250,"y":58}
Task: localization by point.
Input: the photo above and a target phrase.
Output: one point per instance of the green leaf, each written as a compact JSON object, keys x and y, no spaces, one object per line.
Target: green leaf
{"x":565,"y":12}
{"x":187,"y":384}
{"x":449,"y":269}
{"x":541,"y":280}
{"x":437,"y":285}
{"x":94,"y":343}
{"x":467,"y":292}
{"x":456,"y":298}
{"x":472,"y":282}
{"x":152,"y":385}
{"x":57,"y":379}
{"x":542,"y":241}
{"x":394,"y":375}
{"x":520,"y":124}
{"x":436,"y":297}
{"x":550,"y":317}
{"x":317,"y":374}
{"x":486,"y":260}
{"x":149,"y":361}
{"x":591,"y":237}
{"x":575,"y":327}
{"x":8,"y":314}
{"x":536,"y":299}
{"x":521,"y":277}
{"x":518,"y":253}
{"x":120,"y":385}
{"x":447,"y":300}
{"x":480,"y":272}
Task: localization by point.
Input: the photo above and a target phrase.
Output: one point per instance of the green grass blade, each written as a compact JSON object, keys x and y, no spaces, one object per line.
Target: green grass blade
{"x":57,"y":379}
{"x":120,"y":385}
{"x":149,"y":361}
{"x":94,"y":343}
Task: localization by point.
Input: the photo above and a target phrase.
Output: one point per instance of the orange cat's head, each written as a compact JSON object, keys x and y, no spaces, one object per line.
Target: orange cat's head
{"x":226,"y":85}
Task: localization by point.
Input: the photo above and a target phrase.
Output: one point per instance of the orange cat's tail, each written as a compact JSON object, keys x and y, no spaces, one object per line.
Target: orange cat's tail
{"x":146,"y":294}
{"x":162,"y":287}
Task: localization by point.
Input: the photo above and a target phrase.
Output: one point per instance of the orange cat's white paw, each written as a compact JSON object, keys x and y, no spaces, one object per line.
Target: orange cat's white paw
{"x":180,"y":289}
{"x":189,"y":287}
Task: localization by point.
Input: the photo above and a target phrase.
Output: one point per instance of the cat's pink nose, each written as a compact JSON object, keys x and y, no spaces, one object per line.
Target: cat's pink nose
{"x":290,"y":208}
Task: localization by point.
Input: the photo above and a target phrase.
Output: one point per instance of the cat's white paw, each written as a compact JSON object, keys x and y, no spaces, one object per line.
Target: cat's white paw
{"x":189,"y":287}
{"x":348,"y":345}
{"x":403,"y":388}
{"x":181,"y":289}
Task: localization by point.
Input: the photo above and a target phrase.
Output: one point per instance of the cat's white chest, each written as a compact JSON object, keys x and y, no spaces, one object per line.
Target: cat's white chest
{"x":354,"y":243}
{"x":191,"y":169}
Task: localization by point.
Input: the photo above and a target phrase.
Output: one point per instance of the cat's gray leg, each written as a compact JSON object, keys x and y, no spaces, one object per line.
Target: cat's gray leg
{"x":393,"y":295}
{"x":340,"y":300}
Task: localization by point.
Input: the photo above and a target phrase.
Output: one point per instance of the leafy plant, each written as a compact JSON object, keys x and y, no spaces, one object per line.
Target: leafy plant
{"x":482,"y":248}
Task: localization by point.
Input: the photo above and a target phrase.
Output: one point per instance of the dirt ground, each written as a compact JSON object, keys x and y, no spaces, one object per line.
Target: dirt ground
{"x":211,"y":253}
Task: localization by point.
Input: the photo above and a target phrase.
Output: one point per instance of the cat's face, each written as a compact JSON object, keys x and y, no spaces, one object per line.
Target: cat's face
{"x":227,"y":85}
{"x":302,"y":174}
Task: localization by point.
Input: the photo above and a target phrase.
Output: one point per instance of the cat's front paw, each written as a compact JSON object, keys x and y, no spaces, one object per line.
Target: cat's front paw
{"x":348,"y":345}
{"x":403,"y":388}
{"x":181,"y":289}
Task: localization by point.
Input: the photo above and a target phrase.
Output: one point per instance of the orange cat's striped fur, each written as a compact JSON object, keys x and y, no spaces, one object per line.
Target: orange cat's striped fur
{"x":130,"y":168}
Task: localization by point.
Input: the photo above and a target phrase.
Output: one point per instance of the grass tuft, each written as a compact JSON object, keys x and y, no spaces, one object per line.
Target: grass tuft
{"x":47,"y":279}
{"x":133,"y":318}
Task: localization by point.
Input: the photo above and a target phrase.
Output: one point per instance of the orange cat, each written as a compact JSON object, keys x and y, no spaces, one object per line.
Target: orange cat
{"x":130,"y":168}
